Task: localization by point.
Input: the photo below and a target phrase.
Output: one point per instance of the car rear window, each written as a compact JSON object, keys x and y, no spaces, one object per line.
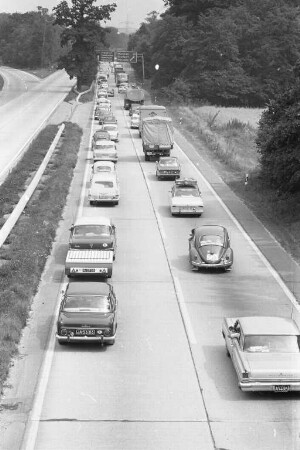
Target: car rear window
{"x":187,"y":192}
{"x":271,"y":344}
{"x":104,"y":147}
{"x":105,"y":184}
{"x":211,"y":240}
{"x":168,"y":162}
{"x":96,"y":303}
{"x":91,"y":230}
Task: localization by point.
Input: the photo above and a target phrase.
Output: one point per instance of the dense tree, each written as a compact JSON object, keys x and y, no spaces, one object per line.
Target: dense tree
{"x":29,"y":40}
{"x":84,"y":34}
{"x":278,"y":140}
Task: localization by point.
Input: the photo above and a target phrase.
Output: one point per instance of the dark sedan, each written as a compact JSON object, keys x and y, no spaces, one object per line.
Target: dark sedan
{"x":168,"y":167}
{"x":209,"y":247}
{"x":88,"y":313}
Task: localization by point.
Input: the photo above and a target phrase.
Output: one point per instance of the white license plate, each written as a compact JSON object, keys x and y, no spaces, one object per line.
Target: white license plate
{"x":89,"y":270}
{"x":87,"y":332}
{"x":281,"y":388}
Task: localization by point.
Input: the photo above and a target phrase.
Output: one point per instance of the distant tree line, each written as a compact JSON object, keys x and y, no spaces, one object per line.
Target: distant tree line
{"x":227,"y":52}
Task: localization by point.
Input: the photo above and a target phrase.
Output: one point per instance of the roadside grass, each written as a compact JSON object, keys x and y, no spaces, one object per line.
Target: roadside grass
{"x":43,"y":72}
{"x":24,"y":254}
{"x":228,"y":135}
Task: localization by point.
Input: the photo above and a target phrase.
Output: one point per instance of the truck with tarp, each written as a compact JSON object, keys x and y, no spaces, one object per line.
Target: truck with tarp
{"x":134,"y":97}
{"x":157,"y":136}
{"x":121,"y":77}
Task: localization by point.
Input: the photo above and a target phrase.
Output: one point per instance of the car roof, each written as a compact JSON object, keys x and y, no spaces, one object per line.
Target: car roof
{"x":104,"y":176}
{"x":163,"y":158}
{"x":210,"y":230}
{"x":96,"y":220}
{"x":88,"y":287}
{"x":105,"y":142}
{"x":260,"y":325}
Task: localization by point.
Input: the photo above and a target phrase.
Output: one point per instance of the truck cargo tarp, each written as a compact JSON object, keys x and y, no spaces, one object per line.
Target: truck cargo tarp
{"x":135,"y":95}
{"x":157,"y":131}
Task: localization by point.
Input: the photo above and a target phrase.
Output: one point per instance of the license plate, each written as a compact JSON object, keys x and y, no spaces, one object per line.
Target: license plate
{"x":281,"y":388}
{"x":86,"y":332}
{"x":150,"y":153}
{"x":89,"y":270}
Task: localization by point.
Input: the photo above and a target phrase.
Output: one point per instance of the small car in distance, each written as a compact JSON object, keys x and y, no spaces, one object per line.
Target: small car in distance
{"x":186,"y":198}
{"x":111,"y":92}
{"x":104,"y":150}
{"x":135,"y":121}
{"x":88,"y":313}
{"x":168,"y":167}
{"x":99,"y":135}
{"x":104,"y":188}
{"x":209,"y":247}
{"x":264,"y":351}
{"x":122,"y":88}
{"x":112,"y":129}
{"x":102,"y":94}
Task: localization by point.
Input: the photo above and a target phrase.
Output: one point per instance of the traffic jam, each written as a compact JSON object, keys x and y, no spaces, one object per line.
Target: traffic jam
{"x":264,"y":350}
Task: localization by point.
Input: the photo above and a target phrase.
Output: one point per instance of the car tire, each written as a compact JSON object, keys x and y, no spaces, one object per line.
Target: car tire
{"x":110,"y":341}
{"x":91,"y":203}
{"x":61,"y":342}
{"x":146,"y":157}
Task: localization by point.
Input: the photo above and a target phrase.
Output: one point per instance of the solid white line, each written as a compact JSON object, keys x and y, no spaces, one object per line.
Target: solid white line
{"x":271,"y":269}
{"x":184,"y":311}
{"x":32,"y":425}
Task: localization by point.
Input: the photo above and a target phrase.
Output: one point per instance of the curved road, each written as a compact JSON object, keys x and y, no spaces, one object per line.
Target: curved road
{"x":167,"y":382}
{"x":26,"y":102}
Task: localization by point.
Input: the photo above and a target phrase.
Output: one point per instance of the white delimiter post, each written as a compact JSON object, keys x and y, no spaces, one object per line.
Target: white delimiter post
{"x":13,"y":218}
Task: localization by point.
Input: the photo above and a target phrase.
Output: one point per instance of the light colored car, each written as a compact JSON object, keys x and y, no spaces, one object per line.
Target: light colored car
{"x":265,"y":352}
{"x":112,"y":129}
{"x":103,"y":166}
{"x":104,"y":85}
{"x":186,"y":197}
{"x":122,"y":88}
{"x":135,"y":121}
{"x":104,"y":150}
{"x":102,"y":93}
{"x":103,"y":101}
{"x":104,"y":188}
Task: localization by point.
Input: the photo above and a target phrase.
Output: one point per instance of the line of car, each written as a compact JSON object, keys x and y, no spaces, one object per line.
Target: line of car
{"x":265,"y":351}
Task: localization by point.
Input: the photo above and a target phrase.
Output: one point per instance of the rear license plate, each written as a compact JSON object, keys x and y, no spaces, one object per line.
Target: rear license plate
{"x":88,"y":270}
{"x":283,"y":388}
{"x":87,"y":332}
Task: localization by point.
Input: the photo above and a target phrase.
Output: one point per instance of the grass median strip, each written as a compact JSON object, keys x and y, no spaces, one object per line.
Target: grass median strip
{"x":24,"y":254}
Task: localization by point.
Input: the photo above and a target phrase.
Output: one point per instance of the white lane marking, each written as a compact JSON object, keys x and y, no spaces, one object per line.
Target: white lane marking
{"x":271,"y":269}
{"x":36,"y":411}
{"x":158,"y":218}
{"x":184,"y":311}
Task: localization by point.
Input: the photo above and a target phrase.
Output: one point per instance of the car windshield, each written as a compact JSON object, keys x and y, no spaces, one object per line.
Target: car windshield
{"x":213,"y":239}
{"x":103,"y":169}
{"x":187,"y":192}
{"x":104,"y":147}
{"x":271,"y":344}
{"x":168,"y":162}
{"x":91,"y":230}
{"x":104,"y":184}
{"x":96,"y":303}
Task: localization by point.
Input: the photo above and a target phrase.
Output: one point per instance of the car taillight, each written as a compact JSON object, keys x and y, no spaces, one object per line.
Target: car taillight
{"x":245,"y":374}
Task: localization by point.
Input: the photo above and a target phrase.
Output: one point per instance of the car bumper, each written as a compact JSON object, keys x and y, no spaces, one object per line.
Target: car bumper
{"x":105,"y":158}
{"x":187,"y":210}
{"x":69,"y":338}
{"x":107,"y":200}
{"x":168,"y":175}
{"x":211,"y":265}
{"x":269,"y":386}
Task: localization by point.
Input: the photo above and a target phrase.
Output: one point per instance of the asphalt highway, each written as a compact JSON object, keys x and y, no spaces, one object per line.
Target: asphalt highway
{"x":167,"y":382}
{"x":26,"y":102}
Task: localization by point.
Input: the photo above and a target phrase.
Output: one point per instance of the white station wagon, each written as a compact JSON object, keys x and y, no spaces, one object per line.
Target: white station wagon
{"x":265,"y":352}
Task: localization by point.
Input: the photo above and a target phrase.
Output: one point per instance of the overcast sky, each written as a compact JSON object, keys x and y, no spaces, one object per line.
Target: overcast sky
{"x":129,"y":13}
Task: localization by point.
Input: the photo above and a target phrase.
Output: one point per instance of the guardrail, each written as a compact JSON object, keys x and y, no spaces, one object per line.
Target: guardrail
{"x":13,"y":218}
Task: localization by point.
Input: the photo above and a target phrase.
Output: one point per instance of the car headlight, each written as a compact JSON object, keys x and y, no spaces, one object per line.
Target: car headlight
{"x":63,"y":331}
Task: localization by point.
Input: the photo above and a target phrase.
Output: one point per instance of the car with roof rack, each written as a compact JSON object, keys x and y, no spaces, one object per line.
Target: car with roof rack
{"x":186,"y":198}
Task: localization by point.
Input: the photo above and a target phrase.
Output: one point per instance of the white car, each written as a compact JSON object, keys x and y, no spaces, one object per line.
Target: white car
{"x":135,"y":121}
{"x":103,"y":166}
{"x":105,"y":150}
{"x":104,"y":188}
{"x":112,"y":129}
{"x":186,"y":197}
{"x":265,"y":352}
{"x":103,"y":101}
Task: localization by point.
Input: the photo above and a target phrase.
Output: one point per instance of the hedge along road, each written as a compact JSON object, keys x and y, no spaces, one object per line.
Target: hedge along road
{"x":24,"y":115}
{"x":167,"y":382}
